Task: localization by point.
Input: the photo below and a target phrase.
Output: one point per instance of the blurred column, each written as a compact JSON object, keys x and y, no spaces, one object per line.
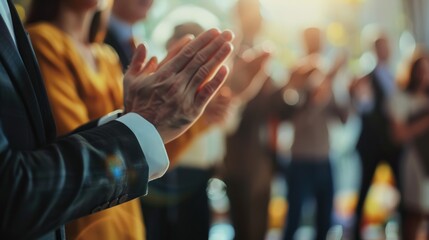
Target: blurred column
{"x":418,"y":15}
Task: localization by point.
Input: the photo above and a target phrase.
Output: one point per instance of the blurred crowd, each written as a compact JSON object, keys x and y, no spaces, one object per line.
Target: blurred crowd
{"x":83,"y":49}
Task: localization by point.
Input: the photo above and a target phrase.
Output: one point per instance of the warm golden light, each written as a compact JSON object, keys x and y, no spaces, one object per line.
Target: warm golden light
{"x":336,"y":34}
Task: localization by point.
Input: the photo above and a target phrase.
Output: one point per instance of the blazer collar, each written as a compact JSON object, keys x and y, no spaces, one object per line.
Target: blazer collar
{"x":11,"y":59}
{"x":29,"y":58}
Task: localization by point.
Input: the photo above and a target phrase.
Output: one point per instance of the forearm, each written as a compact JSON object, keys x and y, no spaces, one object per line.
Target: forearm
{"x":73,"y":177}
{"x":407,"y":132}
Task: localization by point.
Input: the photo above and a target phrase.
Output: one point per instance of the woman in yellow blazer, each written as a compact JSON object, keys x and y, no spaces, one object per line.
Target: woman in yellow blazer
{"x":83,"y":82}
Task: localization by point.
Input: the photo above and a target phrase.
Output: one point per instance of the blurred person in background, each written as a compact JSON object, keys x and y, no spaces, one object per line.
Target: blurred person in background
{"x":370,"y":96}
{"x":179,"y":201}
{"x":177,"y":206}
{"x":125,"y":14}
{"x":409,"y":111}
{"x":309,"y":173}
{"x":83,"y":81}
{"x":248,"y":164}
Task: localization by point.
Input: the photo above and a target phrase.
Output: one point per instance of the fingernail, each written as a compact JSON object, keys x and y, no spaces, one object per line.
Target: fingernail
{"x":226,"y":47}
{"x":190,"y":36}
{"x":214,"y":30}
{"x":228,"y":35}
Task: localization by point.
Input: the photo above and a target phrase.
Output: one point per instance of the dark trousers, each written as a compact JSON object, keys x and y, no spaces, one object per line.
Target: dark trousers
{"x":249,"y":207}
{"x":309,"y":178}
{"x":370,"y":159}
{"x":188,"y":217}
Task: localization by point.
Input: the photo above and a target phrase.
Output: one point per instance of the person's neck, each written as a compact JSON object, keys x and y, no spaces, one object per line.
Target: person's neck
{"x":75,"y":24}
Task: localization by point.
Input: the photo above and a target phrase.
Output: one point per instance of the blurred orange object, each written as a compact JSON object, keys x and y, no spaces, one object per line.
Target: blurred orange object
{"x":277,"y":213}
{"x":383,"y":197}
{"x":381,"y":202}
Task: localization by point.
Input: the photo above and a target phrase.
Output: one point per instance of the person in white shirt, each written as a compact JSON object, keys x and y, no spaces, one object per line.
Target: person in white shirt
{"x":409,"y":111}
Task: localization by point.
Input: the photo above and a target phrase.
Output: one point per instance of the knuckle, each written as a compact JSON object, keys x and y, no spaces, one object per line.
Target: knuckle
{"x":203,"y":72}
{"x":200,"y":58}
{"x":163,"y":75}
{"x":221,"y":54}
{"x":173,"y":89}
{"x":188,"y":52}
{"x":208,"y":90}
{"x":224,"y":49}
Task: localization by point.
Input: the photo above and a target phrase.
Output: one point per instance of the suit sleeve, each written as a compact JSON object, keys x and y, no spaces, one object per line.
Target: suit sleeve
{"x":73,"y":177}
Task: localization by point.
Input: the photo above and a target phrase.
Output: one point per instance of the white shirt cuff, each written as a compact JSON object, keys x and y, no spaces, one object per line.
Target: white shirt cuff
{"x":150,"y":142}
{"x":109,"y":117}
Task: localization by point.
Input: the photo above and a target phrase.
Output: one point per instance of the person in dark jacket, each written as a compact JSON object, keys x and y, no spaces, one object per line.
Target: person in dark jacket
{"x":375,"y":143}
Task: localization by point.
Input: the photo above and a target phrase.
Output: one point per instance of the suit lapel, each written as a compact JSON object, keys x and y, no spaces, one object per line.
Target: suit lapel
{"x":29,"y":58}
{"x":11,"y":60}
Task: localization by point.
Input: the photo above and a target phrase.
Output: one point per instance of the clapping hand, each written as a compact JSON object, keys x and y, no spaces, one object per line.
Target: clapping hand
{"x":218,"y":108}
{"x":243,"y":79}
{"x":173,"y":95}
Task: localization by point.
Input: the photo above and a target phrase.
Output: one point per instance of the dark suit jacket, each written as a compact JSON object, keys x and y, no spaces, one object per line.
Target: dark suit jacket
{"x":44,"y":183}
{"x":124,"y":54}
{"x":376,"y":137}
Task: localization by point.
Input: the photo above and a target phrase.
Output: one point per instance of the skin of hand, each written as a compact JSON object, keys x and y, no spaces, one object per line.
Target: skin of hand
{"x":152,"y":64}
{"x":360,"y":89}
{"x":323,"y":92}
{"x":173,"y":95}
{"x":242,"y":80}
{"x":299,"y":78}
{"x":217,"y":110}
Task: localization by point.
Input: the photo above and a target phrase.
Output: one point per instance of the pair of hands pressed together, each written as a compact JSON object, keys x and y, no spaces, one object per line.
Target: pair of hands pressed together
{"x":310,"y":79}
{"x":172,"y":94}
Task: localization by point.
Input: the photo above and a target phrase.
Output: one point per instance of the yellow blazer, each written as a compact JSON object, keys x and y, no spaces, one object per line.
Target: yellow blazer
{"x":77,"y":95}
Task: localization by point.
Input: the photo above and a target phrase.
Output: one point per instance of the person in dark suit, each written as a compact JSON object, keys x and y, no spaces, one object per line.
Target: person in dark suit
{"x":375,"y":143}
{"x":119,"y":35}
{"x":46,"y":182}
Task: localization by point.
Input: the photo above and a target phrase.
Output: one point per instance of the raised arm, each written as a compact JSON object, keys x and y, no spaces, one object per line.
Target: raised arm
{"x":75,"y":176}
